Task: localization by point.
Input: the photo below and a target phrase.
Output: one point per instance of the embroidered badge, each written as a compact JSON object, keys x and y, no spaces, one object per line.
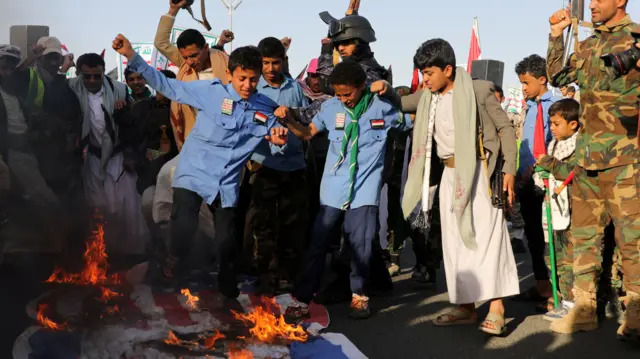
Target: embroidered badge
{"x":227,"y":106}
{"x":377,"y":124}
{"x":260,"y":118}
{"x":340,"y":119}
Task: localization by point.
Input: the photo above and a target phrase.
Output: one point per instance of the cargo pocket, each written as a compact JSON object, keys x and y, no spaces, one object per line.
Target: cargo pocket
{"x":628,"y":191}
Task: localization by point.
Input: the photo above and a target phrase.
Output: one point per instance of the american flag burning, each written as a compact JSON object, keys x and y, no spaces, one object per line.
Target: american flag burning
{"x":148,"y":322}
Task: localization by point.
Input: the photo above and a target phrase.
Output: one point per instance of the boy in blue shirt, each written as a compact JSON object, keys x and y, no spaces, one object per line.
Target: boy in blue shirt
{"x":232,"y":120}
{"x":532,"y":72}
{"x":358,"y":122}
{"x":279,"y":196}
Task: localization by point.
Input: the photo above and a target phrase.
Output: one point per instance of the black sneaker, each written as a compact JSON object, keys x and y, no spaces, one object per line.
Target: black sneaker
{"x":359,"y":308}
{"x":422,"y":275}
{"x":266,"y":287}
{"x":296,"y":312}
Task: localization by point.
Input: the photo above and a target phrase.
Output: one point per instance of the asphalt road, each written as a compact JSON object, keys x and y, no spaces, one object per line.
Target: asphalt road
{"x":401,"y":328}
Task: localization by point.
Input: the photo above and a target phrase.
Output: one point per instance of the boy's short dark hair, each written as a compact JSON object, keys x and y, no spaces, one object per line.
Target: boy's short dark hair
{"x":571,"y":89}
{"x":499,"y":90}
{"x":168,"y":74}
{"x":567,"y":108}
{"x":191,"y":37}
{"x":246,"y":58}
{"x":128,"y":72}
{"x":349,"y":73}
{"x":272,"y":47}
{"x":91,"y":60}
{"x":533,"y":65}
{"x":435,"y":53}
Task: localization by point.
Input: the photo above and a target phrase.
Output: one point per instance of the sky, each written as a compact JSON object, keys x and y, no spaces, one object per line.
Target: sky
{"x":509,"y":29}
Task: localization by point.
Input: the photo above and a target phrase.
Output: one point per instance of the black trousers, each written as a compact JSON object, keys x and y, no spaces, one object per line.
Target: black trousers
{"x":531,"y":209}
{"x":184,"y":224}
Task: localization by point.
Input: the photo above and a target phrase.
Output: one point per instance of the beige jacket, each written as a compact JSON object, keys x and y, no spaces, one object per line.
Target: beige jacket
{"x":494,"y":120}
{"x":183,"y":117}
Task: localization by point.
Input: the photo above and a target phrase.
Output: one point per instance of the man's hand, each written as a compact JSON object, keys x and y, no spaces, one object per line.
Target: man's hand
{"x":509,"y":185}
{"x":281,"y":112}
{"x":380,"y":87}
{"x":35,"y":53}
{"x":325,"y":41}
{"x":67,"y":63}
{"x":174,"y":9}
{"x":279,"y":136}
{"x":565,"y":20}
{"x":413,"y":117}
{"x":286,"y":42}
{"x":120,"y":104}
{"x":122,"y":46}
{"x":225,"y":37}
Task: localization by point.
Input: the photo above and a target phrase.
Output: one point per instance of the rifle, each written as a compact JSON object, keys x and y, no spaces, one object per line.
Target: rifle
{"x":575,"y":11}
{"x":204,"y":21}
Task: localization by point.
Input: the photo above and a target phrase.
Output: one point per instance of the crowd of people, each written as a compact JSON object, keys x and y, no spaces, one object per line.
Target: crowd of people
{"x":280,"y":171}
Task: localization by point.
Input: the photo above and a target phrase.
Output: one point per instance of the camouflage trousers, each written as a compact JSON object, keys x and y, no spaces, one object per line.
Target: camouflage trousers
{"x":280,"y":201}
{"x":564,"y":262}
{"x":598,"y":198}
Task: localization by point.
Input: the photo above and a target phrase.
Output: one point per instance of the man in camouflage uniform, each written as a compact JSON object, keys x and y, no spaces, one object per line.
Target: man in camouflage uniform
{"x":607,"y":181}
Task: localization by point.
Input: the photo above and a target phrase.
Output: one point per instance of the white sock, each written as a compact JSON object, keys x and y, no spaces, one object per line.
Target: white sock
{"x":567,"y":304}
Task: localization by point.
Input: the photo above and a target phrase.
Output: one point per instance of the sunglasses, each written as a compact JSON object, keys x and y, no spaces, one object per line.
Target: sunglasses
{"x":92,"y":76}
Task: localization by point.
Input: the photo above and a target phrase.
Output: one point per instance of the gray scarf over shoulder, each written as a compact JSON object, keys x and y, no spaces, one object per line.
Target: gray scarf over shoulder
{"x":465,"y":152}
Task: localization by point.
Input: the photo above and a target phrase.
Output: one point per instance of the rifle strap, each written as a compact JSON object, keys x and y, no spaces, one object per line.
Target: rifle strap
{"x":204,"y":21}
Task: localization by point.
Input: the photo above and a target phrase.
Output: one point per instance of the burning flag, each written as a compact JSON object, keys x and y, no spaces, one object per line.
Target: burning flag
{"x":267,"y":327}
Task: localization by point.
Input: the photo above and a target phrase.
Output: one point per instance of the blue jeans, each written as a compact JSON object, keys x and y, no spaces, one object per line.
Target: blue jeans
{"x":360,"y":227}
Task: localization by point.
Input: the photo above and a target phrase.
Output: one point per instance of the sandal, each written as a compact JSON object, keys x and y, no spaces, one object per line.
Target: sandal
{"x":547,"y":306}
{"x":456,"y":316}
{"x":497,"y":322}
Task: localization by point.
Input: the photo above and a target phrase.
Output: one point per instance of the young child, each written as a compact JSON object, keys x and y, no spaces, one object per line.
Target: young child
{"x":536,"y":135}
{"x":559,"y":162}
{"x":358,"y":122}
{"x":232,"y":121}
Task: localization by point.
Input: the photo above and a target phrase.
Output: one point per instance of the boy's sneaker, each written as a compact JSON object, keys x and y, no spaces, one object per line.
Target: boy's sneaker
{"x":422,"y":275}
{"x":296,"y":312}
{"x":558,"y":313}
{"x":359,"y":307}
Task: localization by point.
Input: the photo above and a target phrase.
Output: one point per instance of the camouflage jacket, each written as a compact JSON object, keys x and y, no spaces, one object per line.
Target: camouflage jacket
{"x":609,"y":135}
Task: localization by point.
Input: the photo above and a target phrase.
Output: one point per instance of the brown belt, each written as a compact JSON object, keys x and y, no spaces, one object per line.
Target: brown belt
{"x":450,"y":162}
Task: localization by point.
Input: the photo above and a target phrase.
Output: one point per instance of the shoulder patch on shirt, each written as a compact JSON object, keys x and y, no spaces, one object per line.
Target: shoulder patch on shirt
{"x":260,"y":118}
{"x":377,"y":124}
{"x":340,"y":119}
{"x":227,"y":106}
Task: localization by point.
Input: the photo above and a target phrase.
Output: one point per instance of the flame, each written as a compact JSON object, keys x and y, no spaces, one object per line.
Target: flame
{"x":108,"y":294}
{"x":172,"y":339}
{"x":240,"y":354}
{"x":113,"y":310}
{"x":210,"y":342}
{"x":46,"y":322}
{"x":267,"y":327}
{"x":192,"y":300}
{"x":95,"y":263}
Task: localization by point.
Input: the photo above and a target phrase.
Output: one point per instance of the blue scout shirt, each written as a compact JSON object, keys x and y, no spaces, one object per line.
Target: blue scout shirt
{"x":374,"y":125}
{"x":529,"y":127}
{"x":226,"y":132}
{"x":288,"y":94}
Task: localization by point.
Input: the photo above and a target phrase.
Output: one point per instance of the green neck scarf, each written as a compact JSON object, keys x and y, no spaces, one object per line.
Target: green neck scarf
{"x":351,"y":136}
